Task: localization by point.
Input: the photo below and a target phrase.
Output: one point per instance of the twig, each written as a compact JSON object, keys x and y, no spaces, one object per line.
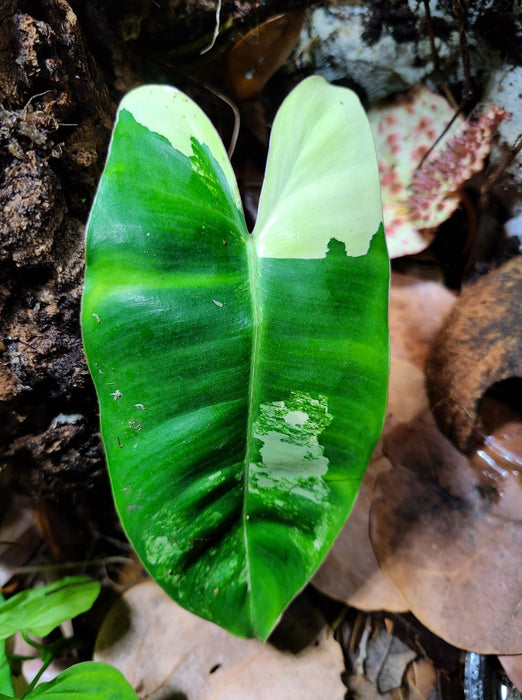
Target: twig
{"x":501,"y":167}
{"x":237,"y":117}
{"x":216,"y":29}
{"x":72,"y":565}
{"x":460,"y":14}
{"x":435,"y":56}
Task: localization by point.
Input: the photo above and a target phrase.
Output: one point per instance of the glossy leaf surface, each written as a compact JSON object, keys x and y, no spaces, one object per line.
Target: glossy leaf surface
{"x":241,"y":377}
{"x":39,"y":610}
{"x":6,"y":679}
{"x":87,"y":681}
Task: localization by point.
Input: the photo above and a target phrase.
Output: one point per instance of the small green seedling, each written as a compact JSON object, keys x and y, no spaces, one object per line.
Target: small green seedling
{"x":38,"y":611}
{"x":242,"y":377}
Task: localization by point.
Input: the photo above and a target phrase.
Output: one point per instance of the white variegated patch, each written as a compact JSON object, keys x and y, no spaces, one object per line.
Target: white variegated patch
{"x":167,"y":111}
{"x":321,"y":181}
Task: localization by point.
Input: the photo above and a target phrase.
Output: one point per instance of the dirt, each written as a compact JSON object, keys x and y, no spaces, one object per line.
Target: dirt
{"x":55,"y":126}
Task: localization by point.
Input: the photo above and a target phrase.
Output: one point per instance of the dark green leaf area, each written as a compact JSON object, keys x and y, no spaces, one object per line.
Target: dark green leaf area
{"x":160,"y":209}
{"x":167,"y":322}
{"x":174,"y":419}
{"x":321,"y":387}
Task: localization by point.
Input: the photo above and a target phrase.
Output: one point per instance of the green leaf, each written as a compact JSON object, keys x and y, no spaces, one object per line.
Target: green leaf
{"x":86,"y":681}
{"x":6,"y":679}
{"x":241,"y":377}
{"x":39,"y":610}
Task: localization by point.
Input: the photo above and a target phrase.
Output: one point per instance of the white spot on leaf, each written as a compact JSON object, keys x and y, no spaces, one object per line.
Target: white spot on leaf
{"x":292,"y":458}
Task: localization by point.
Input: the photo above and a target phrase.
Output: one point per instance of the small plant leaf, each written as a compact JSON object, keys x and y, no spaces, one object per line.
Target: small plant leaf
{"x":91,"y":680}
{"x":39,"y":610}
{"x":241,"y":377}
{"x":6,"y":679}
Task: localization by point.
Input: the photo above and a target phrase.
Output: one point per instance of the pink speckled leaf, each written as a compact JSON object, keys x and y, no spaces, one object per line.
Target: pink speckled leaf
{"x":416,"y":201}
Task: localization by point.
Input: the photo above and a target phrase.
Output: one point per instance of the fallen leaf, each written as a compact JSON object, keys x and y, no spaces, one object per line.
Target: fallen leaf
{"x":446,"y":545}
{"x":362,"y":689}
{"x":512,"y":665}
{"x":256,"y":56}
{"x":351,"y":572}
{"x":418,"y":309}
{"x":386,"y":661}
{"x":421,"y":681}
{"x":166,"y":652}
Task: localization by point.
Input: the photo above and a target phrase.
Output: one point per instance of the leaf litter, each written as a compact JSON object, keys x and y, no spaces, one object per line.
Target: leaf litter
{"x":165,"y":651}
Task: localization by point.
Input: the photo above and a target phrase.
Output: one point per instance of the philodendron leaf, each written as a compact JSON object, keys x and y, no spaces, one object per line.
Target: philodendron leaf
{"x":39,"y":610}
{"x":241,"y":377}
{"x":87,"y":681}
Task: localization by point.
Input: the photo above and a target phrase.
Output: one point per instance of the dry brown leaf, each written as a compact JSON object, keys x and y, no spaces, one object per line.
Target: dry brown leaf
{"x":351,"y":571}
{"x":421,"y":681}
{"x":479,"y":346}
{"x":387,"y":660}
{"x":362,"y":689}
{"x":263,"y":50}
{"x":446,"y":544}
{"x":513,"y":667}
{"x":165,"y":652}
{"x":417,"y":311}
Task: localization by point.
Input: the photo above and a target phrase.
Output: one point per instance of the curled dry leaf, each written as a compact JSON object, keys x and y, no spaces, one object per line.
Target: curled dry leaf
{"x":387,"y":660}
{"x":351,"y":571}
{"x":166,"y":652}
{"x":479,"y":346}
{"x":422,"y":682}
{"x":447,"y":544}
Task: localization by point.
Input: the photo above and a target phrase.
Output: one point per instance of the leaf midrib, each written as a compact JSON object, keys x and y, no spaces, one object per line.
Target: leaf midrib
{"x":252,"y":390}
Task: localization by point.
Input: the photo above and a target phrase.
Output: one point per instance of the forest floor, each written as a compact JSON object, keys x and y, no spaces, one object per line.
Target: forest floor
{"x":429,"y":564}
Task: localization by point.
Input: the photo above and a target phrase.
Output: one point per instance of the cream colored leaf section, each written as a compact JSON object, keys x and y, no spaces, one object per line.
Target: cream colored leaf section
{"x":167,"y":111}
{"x":321,"y":180}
